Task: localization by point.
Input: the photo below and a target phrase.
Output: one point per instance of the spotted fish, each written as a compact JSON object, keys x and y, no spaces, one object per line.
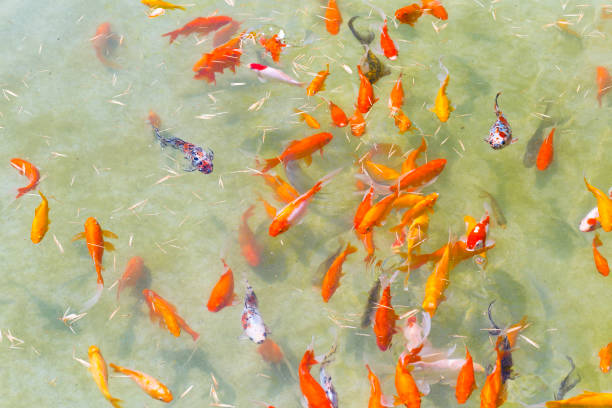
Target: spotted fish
{"x":371,"y":66}
{"x":252,"y":322}
{"x":198,"y":158}
{"x":500,"y":134}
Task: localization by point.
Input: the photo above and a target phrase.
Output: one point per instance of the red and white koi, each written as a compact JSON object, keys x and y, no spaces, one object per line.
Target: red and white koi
{"x":477,"y":237}
{"x":589,"y":222}
{"x":264,"y":71}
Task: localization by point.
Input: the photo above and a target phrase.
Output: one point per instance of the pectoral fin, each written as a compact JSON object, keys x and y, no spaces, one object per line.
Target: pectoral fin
{"x":108,"y":246}
{"x":308,"y":159}
{"x":80,"y":235}
{"x":109,"y":234}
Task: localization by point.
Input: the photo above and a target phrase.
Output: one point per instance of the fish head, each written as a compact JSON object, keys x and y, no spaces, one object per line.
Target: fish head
{"x":496,"y":140}
{"x":257,"y":332}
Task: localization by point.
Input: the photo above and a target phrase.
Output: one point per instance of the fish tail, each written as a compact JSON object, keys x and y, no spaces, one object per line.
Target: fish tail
{"x":270,"y":163}
{"x":21,"y":191}
{"x":172,"y":35}
{"x":596,"y":241}
{"x":364,"y":40}
{"x":496,"y":104}
{"x":116,"y":402}
{"x":248,"y":213}
{"x":350,"y":249}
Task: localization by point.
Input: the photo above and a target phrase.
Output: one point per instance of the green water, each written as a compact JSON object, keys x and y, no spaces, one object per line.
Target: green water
{"x":98,"y":158}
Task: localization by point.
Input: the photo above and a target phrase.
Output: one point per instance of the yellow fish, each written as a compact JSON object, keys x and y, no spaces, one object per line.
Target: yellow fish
{"x":161,"y":4}
{"x":442,"y":107}
{"x":100,"y":375}
{"x":437,"y":283}
{"x":604,"y":206}
{"x":585,"y":400}
{"x":41,"y":222}
{"x":380,"y":173}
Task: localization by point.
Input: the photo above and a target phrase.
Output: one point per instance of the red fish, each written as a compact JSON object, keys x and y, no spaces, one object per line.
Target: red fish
{"x":465,"y":381}
{"x":384,"y":319}
{"x":409,"y":14}
{"x":604,"y":83}
{"x":270,"y":352}
{"x":94,"y":237}
{"x":333,"y":19}
{"x":225,"y":56}
{"x":273,"y":45}
{"x":222,"y":294}
{"x":134,"y":271}
{"x":160,"y":308}
{"x":338,"y":116}
{"x":396,"y":98}
{"x":545,"y":155}
{"x":435,"y":8}
{"x":366,"y":98}
{"x":250,"y":248}
{"x":376,"y":396}
{"x":103,"y":42}
{"x":421,"y":176}
{"x":407,"y":390}
{"x":387,"y":44}
{"x":300,"y":149}
{"x":311,"y":389}
{"x":225,"y":33}
{"x":601,"y":263}
{"x":331,"y":281}
{"x":200,"y":25}
{"x":477,"y":237}
{"x":30,"y":171}
{"x":358,"y":124}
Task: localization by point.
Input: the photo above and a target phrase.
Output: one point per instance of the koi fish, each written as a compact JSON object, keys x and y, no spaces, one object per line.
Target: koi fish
{"x":421,"y":176}
{"x":477,"y":236}
{"x":104,"y":41}
{"x":465,"y":381}
{"x":590,"y":221}
{"x":250,"y":248}
{"x":545,"y":154}
{"x":161,"y":4}
{"x":308,"y":119}
{"x":402,"y":121}
{"x":605,"y":357}
{"x":377,"y":213}
{"x":410,"y":163}
{"x":295,"y":210}
{"x":366,"y":98}
{"x":385,"y":317}
{"x":387,"y":44}
{"x":41,"y":222}
{"x":333,"y":19}
{"x":97,"y":367}
{"x":30,"y":171}
{"x":273,"y":45}
{"x":198,"y":158}
{"x":200,"y":25}
{"x":600,"y":262}
{"x":94,"y":237}
{"x":437,"y":282}
{"x":568,"y":382}
{"x":318,"y":82}
{"x":224,"y":56}
{"x":152,"y":386}
{"x":222,"y":294}
{"x":311,"y":389}
{"x":396,"y":97}
{"x":604,"y":83}
{"x":252,"y":322}
{"x":407,"y":390}
{"x":337,"y":115}
{"x":435,"y":8}
{"x":442,"y":105}
{"x":264,"y":71}
{"x":270,"y":352}
{"x":500,"y":134}
{"x":493,"y":393}
{"x":300,"y":149}
{"x":357,"y":123}
{"x":134,"y":271}
{"x":604,"y":207}
{"x":165,"y":312}
{"x":225,"y":33}
{"x":377,"y":400}
{"x":585,"y":400}
{"x":505,"y":343}
{"x":409,"y":14}
{"x":331,"y":281}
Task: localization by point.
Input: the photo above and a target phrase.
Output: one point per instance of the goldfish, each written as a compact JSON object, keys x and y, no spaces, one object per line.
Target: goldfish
{"x":311,"y":389}
{"x":419,"y":208}
{"x":386,"y":43}
{"x":224,"y":56}
{"x":94,"y":237}
{"x":385,"y":317}
{"x":150,"y":385}
{"x":252,"y":323}
{"x":273,"y":45}
{"x":357,"y":123}
{"x":493,"y":393}
{"x":200,"y":25}
{"x":222,"y":294}
{"x":308,"y":119}
{"x":379,"y":172}
{"x":605,"y":357}
{"x":264,"y":71}
{"x":250,"y":248}
{"x":415,"y":235}
{"x":366,"y":98}
{"x":41,"y":222}
{"x":104,"y":41}
{"x":362,"y":209}
{"x":30,"y":171}
{"x":410,"y":163}
{"x":421,"y":176}
{"x":396,"y":97}
{"x":604,"y":83}
{"x":477,"y":236}
{"x":134,"y":271}
{"x":331,"y":281}
{"x":585,"y":400}
{"x":407,"y":200}
{"x":604,"y":206}
{"x":465,"y":381}
{"x":407,"y":391}
{"x":377,"y":400}
{"x":165,"y":312}
{"x":409,"y":14}
{"x":500,"y":134}
{"x":402,"y":121}
{"x":161,"y":4}
{"x":337,"y":115}
{"x":377,"y":213}
{"x":545,"y":154}
{"x":300,"y":149}
{"x":198,"y":158}
{"x":435,"y":8}
{"x":284,"y":191}
{"x":318,"y":82}
{"x":590,"y":221}
{"x":601,"y":263}
{"x":295,"y":210}
{"x":225,"y":33}
{"x":437,"y":282}
{"x":97,"y":367}
{"x":270,"y":352}
{"x":333,"y":19}
{"x":442,"y":105}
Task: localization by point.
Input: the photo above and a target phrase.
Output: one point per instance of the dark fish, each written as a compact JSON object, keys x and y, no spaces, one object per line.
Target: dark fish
{"x":504,"y":346}
{"x":568,"y":383}
{"x":494,"y":207}
{"x":371,"y":66}
{"x":534,"y":143}
{"x":365,"y":40}
{"x":373,"y":297}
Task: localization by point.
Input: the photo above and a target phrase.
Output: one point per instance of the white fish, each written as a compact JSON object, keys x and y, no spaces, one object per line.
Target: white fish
{"x":589,"y":222}
{"x":252,"y":322}
{"x":264,"y":71}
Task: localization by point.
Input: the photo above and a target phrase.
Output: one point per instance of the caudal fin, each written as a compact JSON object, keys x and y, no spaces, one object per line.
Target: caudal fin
{"x":172,"y":35}
{"x":116,"y":402}
{"x":270,"y":163}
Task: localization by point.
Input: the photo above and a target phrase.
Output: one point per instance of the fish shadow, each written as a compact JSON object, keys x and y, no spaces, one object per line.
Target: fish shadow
{"x":273,"y":262}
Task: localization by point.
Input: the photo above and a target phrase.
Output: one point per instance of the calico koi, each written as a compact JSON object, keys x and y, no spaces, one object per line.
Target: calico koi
{"x":252,"y":322}
{"x":198,"y":158}
{"x":500,"y":134}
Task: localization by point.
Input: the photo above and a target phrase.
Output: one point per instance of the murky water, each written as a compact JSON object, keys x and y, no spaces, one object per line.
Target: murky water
{"x":85,"y":127}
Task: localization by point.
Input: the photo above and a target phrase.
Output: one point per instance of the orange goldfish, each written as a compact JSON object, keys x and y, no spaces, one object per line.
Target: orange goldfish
{"x":161,"y":309}
{"x":435,"y":8}
{"x":250,"y":248}
{"x":337,"y":115}
{"x":437,"y":282}
{"x":300,"y":149}
{"x":604,"y":206}
{"x":410,"y":162}
{"x":407,"y":390}
{"x":270,"y":352}
{"x":409,"y":14}
{"x":311,"y":389}
{"x":421,"y":176}
{"x":407,"y":200}
{"x":284,"y":191}
{"x":273,"y":45}
{"x":94,"y":237}
{"x":331,"y":281}
{"x":357,"y":123}
{"x":377,"y":213}
{"x":545,"y":155}
{"x":423,"y":205}
{"x":585,"y":400}
{"x":366,"y":98}
{"x":385,"y":317}
{"x":222,"y":294}
{"x":200,"y":25}
{"x":601,"y":263}
{"x":295,"y":210}
{"x":396,"y":97}
{"x":402,"y":121}
{"x":318,"y":83}
{"x":363,"y":208}
{"x":224,"y":56}
{"x":308,"y":119}
{"x":442,"y":107}
{"x":379,"y":172}
{"x":333,"y":19}
{"x":103,"y":42}
{"x":161,"y":4}
{"x":387,"y":44}
{"x":493,"y":393}
{"x":465,"y":381}
{"x":605,"y":357}
{"x":376,"y":397}
{"x":26,"y":168}
{"x":149,"y":384}
{"x":604,"y":83}
{"x":225,"y":33}
{"x":41,"y":222}
{"x":134,"y":271}
{"x":97,"y":367}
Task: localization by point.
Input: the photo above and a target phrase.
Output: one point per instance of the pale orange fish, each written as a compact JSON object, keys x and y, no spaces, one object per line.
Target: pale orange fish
{"x":155,"y":388}
{"x":97,"y":367}
{"x":318,"y":83}
{"x":94,"y":237}
{"x":410,"y":163}
{"x":308,"y":119}
{"x":167,"y":315}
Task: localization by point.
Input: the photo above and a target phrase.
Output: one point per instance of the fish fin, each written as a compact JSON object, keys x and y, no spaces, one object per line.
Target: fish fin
{"x":514,"y":140}
{"x":308,"y":159}
{"x":108,"y":246}
{"x":596,"y":241}
{"x":116,"y":402}
{"x":109,"y":234}
{"x":235,"y":300}
{"x":80,"y":235}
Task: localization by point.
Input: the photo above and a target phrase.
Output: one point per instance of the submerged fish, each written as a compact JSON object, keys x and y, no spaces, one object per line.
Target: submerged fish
{"x":372,"y":67}
{"x":252,"y":322}
{"x":198,"y":158}
{"x":30,"y":171}
{"x":500,"y":134}
{"x":568,"y":382}
{"x":493,"y":206}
